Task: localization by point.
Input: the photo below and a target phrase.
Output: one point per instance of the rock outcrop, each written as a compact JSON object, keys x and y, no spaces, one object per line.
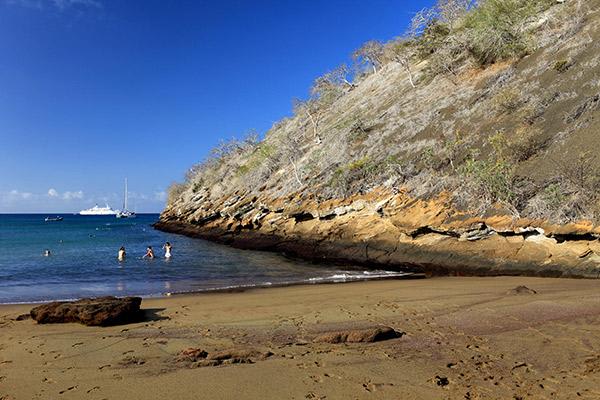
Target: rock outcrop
{"x":492,"y":171}
{"x":102,"y":311}
{"x":368,"y":335}
{"x":197,"y":357}
{"x":393,"y":231}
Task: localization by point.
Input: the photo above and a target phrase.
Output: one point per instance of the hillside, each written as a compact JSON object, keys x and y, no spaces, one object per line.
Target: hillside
{"x":469,"y":145}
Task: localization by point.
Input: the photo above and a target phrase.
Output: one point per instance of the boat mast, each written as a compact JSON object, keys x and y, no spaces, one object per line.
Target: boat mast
{"x":125,"y":202}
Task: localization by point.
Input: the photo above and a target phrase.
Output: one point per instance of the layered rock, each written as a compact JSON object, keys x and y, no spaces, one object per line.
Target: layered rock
{"x":391,"y":230}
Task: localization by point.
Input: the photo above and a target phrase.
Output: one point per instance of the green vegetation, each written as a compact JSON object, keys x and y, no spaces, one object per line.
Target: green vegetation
{"x":261,"y":153}
{"x":498,"y":29}
{"x":561,"y":66}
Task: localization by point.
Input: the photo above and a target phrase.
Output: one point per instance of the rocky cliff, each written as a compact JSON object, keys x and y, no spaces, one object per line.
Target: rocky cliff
{"x":485,"y":169}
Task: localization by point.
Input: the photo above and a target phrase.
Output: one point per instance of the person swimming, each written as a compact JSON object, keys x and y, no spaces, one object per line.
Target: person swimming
{"x":121,"y":255}
{"x":167,"y":247}
{"x":149,"y":252}
{"x":47,"y":253}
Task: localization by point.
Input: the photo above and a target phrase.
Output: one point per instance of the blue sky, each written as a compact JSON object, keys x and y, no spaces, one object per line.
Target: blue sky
{"x":93,"y":91}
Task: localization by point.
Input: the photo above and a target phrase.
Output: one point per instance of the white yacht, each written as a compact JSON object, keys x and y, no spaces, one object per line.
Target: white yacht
{"x":98,"y":211}
{"x":125,"y":213}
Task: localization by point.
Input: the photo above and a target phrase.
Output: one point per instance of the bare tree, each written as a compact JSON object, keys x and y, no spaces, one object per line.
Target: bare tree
{"x":420,"y":22}
{"x":313,"y":110}
{"x":370,"y":54}
{"x":450,"y":12}
{"x":289,"y":149}
{"x":401,"y":51}
{"x":338,"y":77}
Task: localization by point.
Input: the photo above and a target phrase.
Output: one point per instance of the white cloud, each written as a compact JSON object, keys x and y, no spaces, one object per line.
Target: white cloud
{"x":18,"y":194}
{"x":68,"y":195}
{"x":73,"y":195}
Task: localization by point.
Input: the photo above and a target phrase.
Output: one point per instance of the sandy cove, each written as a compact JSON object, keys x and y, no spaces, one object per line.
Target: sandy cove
{"x":464,"y":338}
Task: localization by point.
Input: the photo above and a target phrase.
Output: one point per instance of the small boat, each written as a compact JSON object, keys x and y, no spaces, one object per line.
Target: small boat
{"x":125,"y":213}
{"x":53,"y":219}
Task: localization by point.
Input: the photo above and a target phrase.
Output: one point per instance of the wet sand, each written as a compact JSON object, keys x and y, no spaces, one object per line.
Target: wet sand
{"x":465,"y":338}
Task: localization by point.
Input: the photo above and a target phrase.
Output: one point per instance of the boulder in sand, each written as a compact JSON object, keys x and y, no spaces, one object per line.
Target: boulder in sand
{"x":521,"y":290}
{"x":102,"y":311}
{"x":200,"y":358}
{"x":368,"y":335}
{"x":192,"y":354}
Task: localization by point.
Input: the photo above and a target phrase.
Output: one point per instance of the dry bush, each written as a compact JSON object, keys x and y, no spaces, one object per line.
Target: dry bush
{"x":174,"y":192}
{"x":526,"y":143}
{"x":508,"y":100}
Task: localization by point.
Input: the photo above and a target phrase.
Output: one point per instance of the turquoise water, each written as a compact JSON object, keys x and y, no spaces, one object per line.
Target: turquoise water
{"x":83,"y":261}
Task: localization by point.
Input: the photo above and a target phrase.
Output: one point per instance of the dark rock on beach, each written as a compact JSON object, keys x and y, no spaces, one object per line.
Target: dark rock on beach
{"x":102,"y":311}
{"x":521,"y":290}
{"x":368,"y":335}
{"x":192,"y":354}
{"x":200,"y":358}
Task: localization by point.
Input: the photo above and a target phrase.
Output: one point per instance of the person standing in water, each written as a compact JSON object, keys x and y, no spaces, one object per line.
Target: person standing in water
{"x":149,"y":253}
{"x":167,"y":248}
{"x":122,"y":254}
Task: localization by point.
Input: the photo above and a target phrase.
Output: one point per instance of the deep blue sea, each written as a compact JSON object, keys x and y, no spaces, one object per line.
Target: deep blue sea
{"x":83,"y":261}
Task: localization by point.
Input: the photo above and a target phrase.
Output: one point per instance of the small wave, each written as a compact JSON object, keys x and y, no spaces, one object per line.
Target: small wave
{"x":365,"y":275}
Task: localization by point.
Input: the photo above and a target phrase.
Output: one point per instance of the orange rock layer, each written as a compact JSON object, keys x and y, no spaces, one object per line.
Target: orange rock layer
{"x":391,"y":230}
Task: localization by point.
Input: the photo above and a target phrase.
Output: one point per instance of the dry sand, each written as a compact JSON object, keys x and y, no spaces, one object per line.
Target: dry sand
{"x":466,"y":338}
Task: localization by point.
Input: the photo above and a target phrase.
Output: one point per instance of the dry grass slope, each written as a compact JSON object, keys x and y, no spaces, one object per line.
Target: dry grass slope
{"x":496,"y":104}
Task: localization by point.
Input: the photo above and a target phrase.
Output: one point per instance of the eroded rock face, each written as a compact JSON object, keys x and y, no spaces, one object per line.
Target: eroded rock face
{"x":102,"y":311}
{"x":368,"y":335}
{"x":389,"y":230}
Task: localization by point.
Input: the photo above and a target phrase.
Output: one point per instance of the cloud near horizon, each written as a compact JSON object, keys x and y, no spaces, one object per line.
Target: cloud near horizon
{"x":68,"y":195}
{"x":73,"y":200}
{"x":20,"y":195}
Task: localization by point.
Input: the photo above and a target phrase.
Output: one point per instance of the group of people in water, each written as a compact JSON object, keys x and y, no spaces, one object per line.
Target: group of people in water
{"x":149,"y":252}
{"x":122,"y":253}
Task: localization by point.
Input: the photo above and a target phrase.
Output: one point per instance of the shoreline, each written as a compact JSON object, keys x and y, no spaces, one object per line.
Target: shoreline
{"x":236,"y":289}
{"x":461,"y":336}
{"x":423,"y":249}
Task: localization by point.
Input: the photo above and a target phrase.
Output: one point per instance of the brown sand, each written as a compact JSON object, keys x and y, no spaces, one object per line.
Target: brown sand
{"x":466,"y":338}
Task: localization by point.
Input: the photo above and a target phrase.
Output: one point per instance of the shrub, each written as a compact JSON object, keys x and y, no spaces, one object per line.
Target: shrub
{"x":174,"y":192}
{"x":527,"y":144}
{"x":553,"y":196}
{"x":494,"y":179}
{"x":561,"y":66}
{"x":261,"y":153}
{"x":357,"y":176}
{"x":508,"y":100}
{"x":498,"y":28}
{"x":581,"y":174}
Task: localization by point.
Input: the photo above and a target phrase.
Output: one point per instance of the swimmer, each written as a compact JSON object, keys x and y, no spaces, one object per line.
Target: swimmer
{"x":149,"y":252}
{"x":121,"y":255}
{"x":167,"y":247}
{"x":47,"y":253}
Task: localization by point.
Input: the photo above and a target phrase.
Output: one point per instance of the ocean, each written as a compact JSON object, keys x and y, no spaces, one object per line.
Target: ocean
{"x":83,"y":261}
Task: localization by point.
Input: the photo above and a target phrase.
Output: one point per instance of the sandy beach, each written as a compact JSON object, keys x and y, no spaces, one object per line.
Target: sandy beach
{"x":464,"y":338}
